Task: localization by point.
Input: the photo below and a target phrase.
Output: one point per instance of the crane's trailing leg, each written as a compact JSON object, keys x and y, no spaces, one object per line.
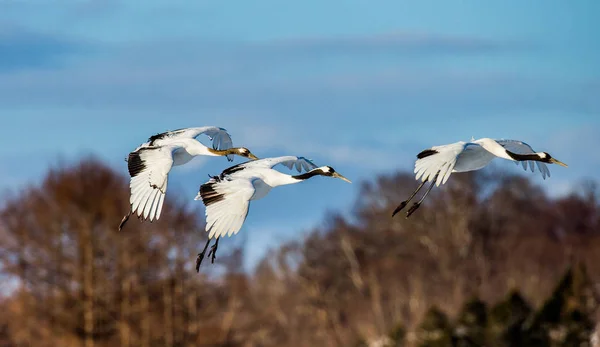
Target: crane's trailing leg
{"x":124,"y":220}
{"x":213,"y":251}
{"x":405,"y":202}
{"x":201,"y":256}
{"x":416,"y":205}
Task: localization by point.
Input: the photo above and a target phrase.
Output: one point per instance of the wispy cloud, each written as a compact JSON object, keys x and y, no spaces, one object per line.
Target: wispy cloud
{"x":214,"y":84}
{"x":273,"y":76}
{"x":355,"y":115}
{"x":21,"y":49}
{"x":399,"y":42}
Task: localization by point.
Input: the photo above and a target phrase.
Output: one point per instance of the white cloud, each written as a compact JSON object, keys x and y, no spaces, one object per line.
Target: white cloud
{"x":284,"y":140}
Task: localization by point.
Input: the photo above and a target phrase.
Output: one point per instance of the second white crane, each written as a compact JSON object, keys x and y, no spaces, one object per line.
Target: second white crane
{"x":227,"y":196}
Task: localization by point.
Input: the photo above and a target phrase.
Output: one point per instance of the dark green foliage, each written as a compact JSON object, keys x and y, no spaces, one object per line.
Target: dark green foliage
{"x":471,"y":325}
{"x":435,"y":329}
{"x":506,"y":319}
{"x":565,"y":319}
{"x":397,"y":336}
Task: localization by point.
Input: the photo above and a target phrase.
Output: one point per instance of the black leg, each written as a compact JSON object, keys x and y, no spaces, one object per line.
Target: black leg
{"x":416,"y":205}
{"x":405,"y":202}
{"x":124,"y":220}
{"x":201,"y":256}
{"x":213,"y":251}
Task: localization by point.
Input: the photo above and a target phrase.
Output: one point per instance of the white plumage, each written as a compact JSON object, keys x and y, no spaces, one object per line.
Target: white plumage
{"x":149,"y":164}
{"x":227,"y":196}
{"x":437,"y":163}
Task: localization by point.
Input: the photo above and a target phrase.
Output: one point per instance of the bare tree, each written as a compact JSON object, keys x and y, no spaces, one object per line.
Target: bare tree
{"x":74,"y":268}
{"x":75,"y":280}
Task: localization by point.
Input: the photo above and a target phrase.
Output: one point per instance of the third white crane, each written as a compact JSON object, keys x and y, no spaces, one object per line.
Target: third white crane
{"x":435,"y":164}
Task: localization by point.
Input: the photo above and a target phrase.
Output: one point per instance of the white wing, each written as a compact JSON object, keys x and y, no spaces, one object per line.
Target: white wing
{"x":521,"y":147}
{"x":227,"y":203}
{"x":300,"y":163}
{"x":438,"y":159}
{"x":227,"y":196}
{"x":149,"y":169}
{"x":219,"y":136}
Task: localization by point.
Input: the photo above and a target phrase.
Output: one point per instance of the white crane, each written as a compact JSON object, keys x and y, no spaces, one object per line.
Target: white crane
{"x":227,"y":196}
{"x":435,"y":164}
{"x":149,"y":164}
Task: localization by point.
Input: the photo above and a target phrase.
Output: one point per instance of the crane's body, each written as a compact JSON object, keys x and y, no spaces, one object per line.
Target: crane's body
{"x":187,"y":150}
{"x":150,"y":163}
{"x":227,"y":196}
{"x":437,"y":163}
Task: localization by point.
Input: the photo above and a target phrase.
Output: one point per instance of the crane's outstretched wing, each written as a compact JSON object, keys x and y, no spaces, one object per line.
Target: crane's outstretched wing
{"x":300,"y":163}
{"x":290,"y":161}
{"x":521,"y":147}
{"x":227,"y":196}
{"x":438,"y":159}
{"x":219,"y":136}
{"x":149,"y":169}
{"x":227,"y":203}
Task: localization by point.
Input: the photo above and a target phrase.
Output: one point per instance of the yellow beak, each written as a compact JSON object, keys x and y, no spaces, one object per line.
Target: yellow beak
{"x":337,"y":175}
{"x":552,"y":160}
{"x":252,"y":156}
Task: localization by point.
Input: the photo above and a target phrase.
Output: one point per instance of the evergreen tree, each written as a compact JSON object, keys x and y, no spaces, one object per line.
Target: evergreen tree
{"x":471,"y":324}
{"x":435,"y":330}
{"x":565,"y":319}
{"x":397,"y":336}
{"x":506,"y":319}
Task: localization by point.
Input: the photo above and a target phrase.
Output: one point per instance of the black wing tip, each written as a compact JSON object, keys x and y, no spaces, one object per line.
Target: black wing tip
{"x":158,"y":136}
{"x":426,"y":153}
{"x":208,"y":194}
{"x":164,"y":134}
{"x":135,"y":164}
{"x":232,"y":169}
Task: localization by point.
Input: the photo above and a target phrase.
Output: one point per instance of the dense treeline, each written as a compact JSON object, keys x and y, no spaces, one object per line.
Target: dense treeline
{"x":564,"y":319}
{"x":487,"y":260}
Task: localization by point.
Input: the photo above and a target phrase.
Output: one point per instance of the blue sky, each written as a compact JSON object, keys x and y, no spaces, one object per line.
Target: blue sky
{"x":358,"y":85}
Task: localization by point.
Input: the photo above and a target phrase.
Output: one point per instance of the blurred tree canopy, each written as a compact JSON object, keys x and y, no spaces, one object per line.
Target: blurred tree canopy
{"x":487,"y":260}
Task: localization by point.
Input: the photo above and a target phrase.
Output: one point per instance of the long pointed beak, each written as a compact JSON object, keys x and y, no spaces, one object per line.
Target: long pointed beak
{"x":252,"y":156}
{"x":552,"y":160}
{"x":337,"y":175}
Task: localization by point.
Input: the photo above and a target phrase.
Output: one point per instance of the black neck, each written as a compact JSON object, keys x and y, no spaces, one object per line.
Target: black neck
{"x":308,"y":175}
{"x":524,"y":157}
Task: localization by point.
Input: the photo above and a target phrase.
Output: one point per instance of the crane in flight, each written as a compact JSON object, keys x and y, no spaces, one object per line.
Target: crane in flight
{"x":435,"y":164}
{"x":150,"y":163}
{"x":227,"y":196}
